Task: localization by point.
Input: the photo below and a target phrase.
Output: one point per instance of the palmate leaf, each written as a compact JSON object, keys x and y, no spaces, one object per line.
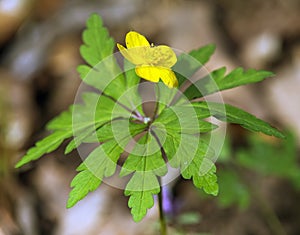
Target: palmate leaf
{"x":103,"y":71}
{"x":83,"y":183}
{"x":80,"y":138}
{"x":188,"y":64}
{"x":185,"y":119}
{"x":147,"y":163}
{"x":188,"y":152}
{"x":192,"y":156}
{"x":231,"y":114}
{"x":46,"y":145}
{"x":102,"y":161}
{"x":131,"y":98}
{"x":80,"y":119}
{"x":145,"y":156}
{"x":194,"y":162}
{"x":203,"y":172}
{"x":141,"y":188}
{"x":62,"y":121}
{"x":115,"y":129}
{"x":97,"y":42}
{"x":88,"y":118}
{"x":62,"y":130}
{"x":181,"y":148}
{"x":218,"y":81}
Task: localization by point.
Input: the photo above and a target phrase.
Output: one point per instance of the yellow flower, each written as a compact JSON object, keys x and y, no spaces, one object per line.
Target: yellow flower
{"x":152,"y":62}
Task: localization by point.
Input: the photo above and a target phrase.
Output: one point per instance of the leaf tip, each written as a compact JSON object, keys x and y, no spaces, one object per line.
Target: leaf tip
{"x":70,"y":203}
{"x":21,"y":163}
{"x":94,"y":17}
{"x":137,"y":218}
{"x":18,"y":164}
{"x":281,"y":135}
{"x":212,"y":46}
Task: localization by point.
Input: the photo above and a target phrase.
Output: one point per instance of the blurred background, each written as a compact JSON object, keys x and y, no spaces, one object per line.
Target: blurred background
{"x":259,"y":176}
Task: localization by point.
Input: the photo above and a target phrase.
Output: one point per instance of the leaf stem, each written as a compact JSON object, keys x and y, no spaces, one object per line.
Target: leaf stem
{"x":135,"y":113}
{"x":116,"y":101}
{"x":162,"y":219}
{"x":157,"y":102}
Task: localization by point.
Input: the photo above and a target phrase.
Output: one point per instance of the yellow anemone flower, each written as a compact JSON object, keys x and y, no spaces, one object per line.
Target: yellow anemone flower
{"x":152,"y":62}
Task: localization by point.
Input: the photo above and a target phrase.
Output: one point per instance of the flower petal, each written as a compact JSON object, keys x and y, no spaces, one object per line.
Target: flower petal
{"x":149,"y":73}
{"x":153,"y":74}
{"x":134,"y":39}
{"x":124,"y":52}
{"x":134,"y":55}
{"x":168,"y":77}
{"x":163,"y":56}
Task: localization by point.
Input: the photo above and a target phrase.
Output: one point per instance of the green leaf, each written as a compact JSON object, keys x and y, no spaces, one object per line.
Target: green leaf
{"x":132,"y":79}
{"x":46,"y":145}
{"x":273,"y":159}
{"x":131,"y":97}
{"x":207,"y":182}
{"x":186,"y":119}
{"x":147,"y":163}
{"x":97,"y":50}
{"x":97,"y":42}
{"x":102,"y":161}
{"x":84,"y":119}
{"x":83,"y":183}
{"x":218,"y":81}
{"x":188,"y":64}
{"x":62,"y":121}
{"x":228,"y":113}
{"x":232,"y":190}
{"x":97,"y":110}
{"x":102,"y":134}
{"x":183,"y":150}
{"x":141,"y":198}
{"x":202,"y":170}
{"x":88,"y":119}
{"x":179,"y":148}
{"x":79,"y":138}
{"x":119,"y":129}
{"x":187,"y":152}
{"x":145,"y":156}
{"x":164,"y":96}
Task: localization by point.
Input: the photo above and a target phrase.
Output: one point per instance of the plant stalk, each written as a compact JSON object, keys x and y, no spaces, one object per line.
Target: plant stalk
{"x":162,"y":219}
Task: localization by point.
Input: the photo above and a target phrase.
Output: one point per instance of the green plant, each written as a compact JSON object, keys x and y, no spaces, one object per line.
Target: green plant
{"x":265,"y":158}
{"x":258,"y":158}
{"x":113,"y":117}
